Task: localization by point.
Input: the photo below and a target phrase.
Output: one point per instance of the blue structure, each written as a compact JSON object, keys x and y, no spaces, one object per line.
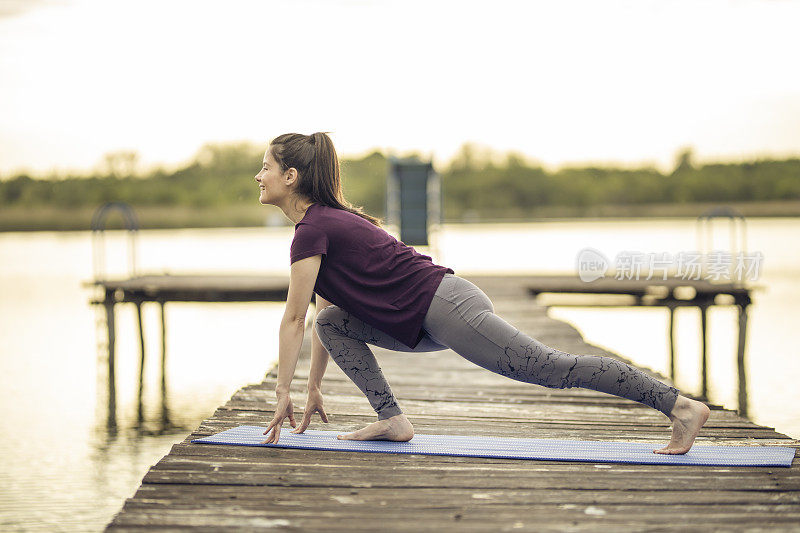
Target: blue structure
{"x":413,"y":199}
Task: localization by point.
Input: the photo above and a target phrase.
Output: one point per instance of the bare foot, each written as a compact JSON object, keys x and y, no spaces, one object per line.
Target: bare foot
{"x":396,"y":428}
{"x":687,"y":416}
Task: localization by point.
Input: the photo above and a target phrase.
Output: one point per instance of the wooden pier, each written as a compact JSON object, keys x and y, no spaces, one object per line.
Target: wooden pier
{"x":221,"y":488}
{"x":669,"y":293}
{"x":163,"y":288}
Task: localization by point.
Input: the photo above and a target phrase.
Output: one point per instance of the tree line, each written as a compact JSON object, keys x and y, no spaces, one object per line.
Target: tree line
{"x":475,"y":180}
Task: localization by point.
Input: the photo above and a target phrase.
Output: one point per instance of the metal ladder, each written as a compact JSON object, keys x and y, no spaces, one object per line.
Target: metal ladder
{"x":98,"y":236}
{"x":705,"y":233}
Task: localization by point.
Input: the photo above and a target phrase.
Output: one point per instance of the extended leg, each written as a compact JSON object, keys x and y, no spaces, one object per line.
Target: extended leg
{"x":462,"y":317}
{"x":465,"y":321}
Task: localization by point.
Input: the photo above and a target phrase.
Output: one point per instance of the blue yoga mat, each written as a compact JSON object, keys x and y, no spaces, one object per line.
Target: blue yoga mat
{"x":513,"y":448}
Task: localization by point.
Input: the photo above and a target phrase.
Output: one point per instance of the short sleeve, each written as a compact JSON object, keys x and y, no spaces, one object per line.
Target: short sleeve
{"x":308,"y":241}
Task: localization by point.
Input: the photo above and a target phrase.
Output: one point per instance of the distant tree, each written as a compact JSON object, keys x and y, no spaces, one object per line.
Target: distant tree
{"x":11,"y":191}
{"x":515,"y":160}
{"x":465,"y":159}
{"x":232,"y":157}
{"x":120,"y":163}
{"x":684,"y":160}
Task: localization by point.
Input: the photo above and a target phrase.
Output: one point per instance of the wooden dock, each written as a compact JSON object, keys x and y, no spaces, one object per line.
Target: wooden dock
{"x":248,"y":488}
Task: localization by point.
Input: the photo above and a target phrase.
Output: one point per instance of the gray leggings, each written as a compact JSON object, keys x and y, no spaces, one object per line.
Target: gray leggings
{"x":461,"y":317}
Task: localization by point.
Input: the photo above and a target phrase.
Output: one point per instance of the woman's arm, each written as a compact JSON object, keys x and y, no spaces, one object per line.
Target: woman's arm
{"x":290,"y":338}
{"x":319,"y":355}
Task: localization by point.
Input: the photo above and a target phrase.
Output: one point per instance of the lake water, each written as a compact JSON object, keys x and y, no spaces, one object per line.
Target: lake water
{"x":62,"y":468}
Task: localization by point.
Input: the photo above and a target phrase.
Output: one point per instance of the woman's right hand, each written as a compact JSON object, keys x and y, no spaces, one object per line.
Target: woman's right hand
{"x":313,"y":405}
{"x":283,"y":409}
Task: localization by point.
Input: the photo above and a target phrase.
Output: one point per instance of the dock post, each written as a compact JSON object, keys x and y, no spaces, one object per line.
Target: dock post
{"x":671,"y":307}
{"x":164,"y":408}
{"x":108,"y":303}
{"x":141,"y":361}
{"x":704,"y":348}
{"x":740,"y":362}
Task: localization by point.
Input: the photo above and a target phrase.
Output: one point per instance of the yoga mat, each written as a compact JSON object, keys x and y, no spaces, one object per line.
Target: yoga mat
{"x":513,"y":448}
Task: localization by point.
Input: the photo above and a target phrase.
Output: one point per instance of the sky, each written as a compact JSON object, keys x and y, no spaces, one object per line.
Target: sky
{"x":561,"y":82}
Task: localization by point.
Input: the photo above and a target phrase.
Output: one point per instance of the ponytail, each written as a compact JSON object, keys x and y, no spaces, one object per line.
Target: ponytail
{"x":314,"y":157}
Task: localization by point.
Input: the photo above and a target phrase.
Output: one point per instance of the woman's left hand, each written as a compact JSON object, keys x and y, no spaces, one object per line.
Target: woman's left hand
{"x":284,"y":409}
{"x":313,"y":405}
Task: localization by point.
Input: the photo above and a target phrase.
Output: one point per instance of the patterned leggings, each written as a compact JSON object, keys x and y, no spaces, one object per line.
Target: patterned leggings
{"x":461,"y":317}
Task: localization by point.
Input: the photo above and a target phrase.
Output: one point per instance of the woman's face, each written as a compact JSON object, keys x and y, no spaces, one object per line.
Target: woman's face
{"x":269,"y":179}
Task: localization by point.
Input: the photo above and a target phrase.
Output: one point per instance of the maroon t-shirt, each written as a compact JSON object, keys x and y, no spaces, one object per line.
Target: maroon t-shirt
{"x":367,"y":272}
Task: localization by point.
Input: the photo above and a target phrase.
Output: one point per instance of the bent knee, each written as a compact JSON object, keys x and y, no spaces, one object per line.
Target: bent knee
{"x":491,"y":307}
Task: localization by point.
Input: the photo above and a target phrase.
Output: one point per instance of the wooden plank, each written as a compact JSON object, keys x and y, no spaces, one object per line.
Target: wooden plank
{"x":424,"y":497}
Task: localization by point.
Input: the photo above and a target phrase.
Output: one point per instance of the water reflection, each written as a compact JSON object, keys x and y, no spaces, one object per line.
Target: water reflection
{"x":159,"y":423}
{"x":73,"y":451}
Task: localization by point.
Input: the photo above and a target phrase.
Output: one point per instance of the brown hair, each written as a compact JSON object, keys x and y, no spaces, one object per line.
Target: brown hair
{"x":314,"y":158}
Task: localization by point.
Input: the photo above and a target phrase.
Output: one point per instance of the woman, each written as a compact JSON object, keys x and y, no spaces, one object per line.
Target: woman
{"x":372,"y":289}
